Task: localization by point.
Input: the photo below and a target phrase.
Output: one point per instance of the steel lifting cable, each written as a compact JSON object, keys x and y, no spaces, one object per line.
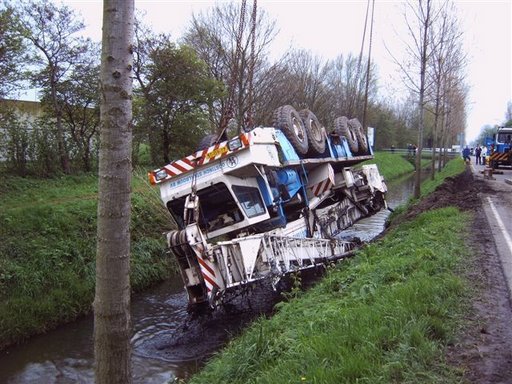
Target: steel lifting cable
{"x":362,"y":41}
{"x":228,"y":110}
{"x":365,"y":101}
{"x":193,"y":195}
{"x":252,"y":63}
{"x":368,"y":69}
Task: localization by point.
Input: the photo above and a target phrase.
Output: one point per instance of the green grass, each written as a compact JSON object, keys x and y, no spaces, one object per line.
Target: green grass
{"x":391,"y":165}
{"x":48,"y":249}
{"x":382,"y":317}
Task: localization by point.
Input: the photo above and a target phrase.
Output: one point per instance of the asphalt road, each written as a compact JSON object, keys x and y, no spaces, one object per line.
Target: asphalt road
{"x":498,"y":210}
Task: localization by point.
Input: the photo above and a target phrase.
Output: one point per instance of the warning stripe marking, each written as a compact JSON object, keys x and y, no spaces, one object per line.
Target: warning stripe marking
{"x":206,"y":266}
{"x":204,"y":156}
{"x":321,"y":187}
{"x":324,"y":185}
{"x":499,"y":156}
{"x":210,"y":283}
{"x":208,"y":274}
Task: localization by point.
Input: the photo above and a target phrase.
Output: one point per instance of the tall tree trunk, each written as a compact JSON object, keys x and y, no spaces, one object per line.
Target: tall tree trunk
{"x":61,"y":141}
{"x":112,"y":324}
{"x":435,"y":137}
{"x":442,"y":160}
{"x":421,"y":102}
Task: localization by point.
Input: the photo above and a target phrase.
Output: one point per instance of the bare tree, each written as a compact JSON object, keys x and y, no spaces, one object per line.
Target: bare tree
{"x":419,"y":18}
{"x":447,"y":65}
{"x":328,"y":88}
{"x":112,"y":323}
{"x":306,"y":79}
{"x":222,"y":38}
{"x":345,"y":78}
{"x":508,"y":114}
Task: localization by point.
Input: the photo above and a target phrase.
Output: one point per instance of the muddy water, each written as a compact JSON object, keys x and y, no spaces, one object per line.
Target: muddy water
{"x":399,"y":192}
{"x":167,"y":342}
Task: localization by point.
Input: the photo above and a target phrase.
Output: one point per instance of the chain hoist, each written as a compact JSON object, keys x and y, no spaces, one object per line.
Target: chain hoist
{"x":237,"y":75}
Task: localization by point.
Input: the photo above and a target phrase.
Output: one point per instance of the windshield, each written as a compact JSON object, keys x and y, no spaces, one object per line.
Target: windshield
{"x":250,"y":200}
{"x":217,"y":208}
{"x":505,"y":137}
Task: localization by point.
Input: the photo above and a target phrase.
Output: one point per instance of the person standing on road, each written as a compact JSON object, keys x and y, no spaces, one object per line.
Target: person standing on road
{"x":465,"y":154}
{"x":478,"y":152}
{"x":484,"y":155}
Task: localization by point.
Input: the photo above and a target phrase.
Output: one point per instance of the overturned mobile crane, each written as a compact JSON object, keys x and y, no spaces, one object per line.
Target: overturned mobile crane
{"x":268,"y":202}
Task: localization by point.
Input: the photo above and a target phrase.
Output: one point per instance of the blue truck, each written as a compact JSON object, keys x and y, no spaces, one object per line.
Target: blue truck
{"x":500,"y":148}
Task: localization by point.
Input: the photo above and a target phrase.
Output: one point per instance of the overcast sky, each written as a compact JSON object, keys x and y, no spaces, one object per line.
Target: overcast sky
{"x":330,"y":28}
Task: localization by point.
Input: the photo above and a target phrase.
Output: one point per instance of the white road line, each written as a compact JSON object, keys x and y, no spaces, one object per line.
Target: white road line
{"x":501,"y":226}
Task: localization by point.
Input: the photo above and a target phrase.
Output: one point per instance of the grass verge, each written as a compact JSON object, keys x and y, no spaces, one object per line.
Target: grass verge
{"x":391,"y":165}
{"x":48,"y":250}
{"x":452,"y":168}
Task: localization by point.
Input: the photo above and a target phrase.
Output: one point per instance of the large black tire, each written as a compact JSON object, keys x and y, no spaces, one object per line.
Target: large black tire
{"x":356,"y":127}
{"x":341,"y":129}
{"x":288,"y":120}
{"x":314,"y":131}
{"x":207,"y":141}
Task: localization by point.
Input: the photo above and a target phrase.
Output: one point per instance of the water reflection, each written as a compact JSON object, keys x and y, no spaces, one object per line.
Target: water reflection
{"x":399,"y":192}
{"x":66,"y":354}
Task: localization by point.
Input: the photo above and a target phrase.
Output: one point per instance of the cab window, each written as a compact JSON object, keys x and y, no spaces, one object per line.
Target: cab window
{"x":250,"y":200}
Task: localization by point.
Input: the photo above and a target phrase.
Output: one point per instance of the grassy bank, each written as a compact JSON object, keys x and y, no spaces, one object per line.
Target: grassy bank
{"x":383,"y":316}
{"x":453,"y":168}
{"x":394,"y":165}
{"x":48,"y":248}
{"x":391,"y":165}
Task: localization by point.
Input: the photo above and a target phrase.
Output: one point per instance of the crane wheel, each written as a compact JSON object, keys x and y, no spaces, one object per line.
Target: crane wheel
{"x":356,"y":127}
{"x":288,"y":121}
{"x":314,"y":131}
{"x":341,"y":128}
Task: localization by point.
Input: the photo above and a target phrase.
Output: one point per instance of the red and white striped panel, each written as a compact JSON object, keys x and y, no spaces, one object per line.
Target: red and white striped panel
{"x":213,"y":153}
{"x":325,"y":184}
{"x":220,"y":150}
{"x":202,"y":157}
{"x":322,"y":187}
{"x":181,"y":166}
{"x":208,"y":272}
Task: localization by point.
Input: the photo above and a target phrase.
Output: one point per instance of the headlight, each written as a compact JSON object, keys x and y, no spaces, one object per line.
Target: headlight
{"x":234,"y":144}
{"x":160,"y":174}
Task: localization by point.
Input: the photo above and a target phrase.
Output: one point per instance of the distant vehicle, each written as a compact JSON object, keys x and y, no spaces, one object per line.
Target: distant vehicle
{"x":500,"y":148}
